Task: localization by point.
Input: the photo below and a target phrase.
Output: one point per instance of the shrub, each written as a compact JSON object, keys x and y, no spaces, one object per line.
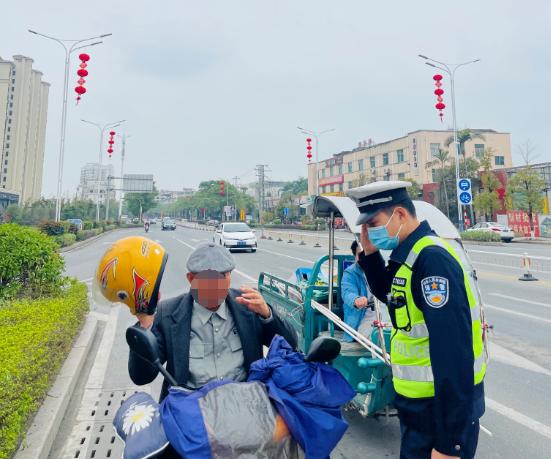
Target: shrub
{"x":36,"y":337}
{"x":52,"y":228}
{"x":481,"y":236}
{"x":87,"y":225}
{"x":73,"y":229}
{"x":65,"y":240}
{"x":30,"y":264}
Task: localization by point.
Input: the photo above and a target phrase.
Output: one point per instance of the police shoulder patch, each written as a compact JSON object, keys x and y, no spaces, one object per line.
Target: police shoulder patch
{"x":435,"y":291}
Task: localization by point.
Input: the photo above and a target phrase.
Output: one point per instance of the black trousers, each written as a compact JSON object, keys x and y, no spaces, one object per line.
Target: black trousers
{"x":419,"y":445}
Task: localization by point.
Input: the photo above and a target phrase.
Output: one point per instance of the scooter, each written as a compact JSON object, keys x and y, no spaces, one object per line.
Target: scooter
{"x":239,"y":418}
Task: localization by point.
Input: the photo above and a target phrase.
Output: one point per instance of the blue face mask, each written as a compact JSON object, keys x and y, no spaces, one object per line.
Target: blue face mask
{"x":380,"y":238}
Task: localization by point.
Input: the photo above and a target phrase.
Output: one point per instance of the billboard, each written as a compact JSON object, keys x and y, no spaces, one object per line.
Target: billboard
{"x":137,"y":183}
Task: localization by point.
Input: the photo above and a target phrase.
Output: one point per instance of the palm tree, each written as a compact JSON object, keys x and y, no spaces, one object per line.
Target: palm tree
{"x":441,"y":159}
{"x":463,"y":136}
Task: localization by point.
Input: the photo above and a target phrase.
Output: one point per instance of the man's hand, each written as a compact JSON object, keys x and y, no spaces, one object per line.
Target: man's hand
{"x":254,"y":302}
{"x":368,"y":247}
{"x":361,"y":302}
{"x":436,"y":455}
{"x":146,"y":320}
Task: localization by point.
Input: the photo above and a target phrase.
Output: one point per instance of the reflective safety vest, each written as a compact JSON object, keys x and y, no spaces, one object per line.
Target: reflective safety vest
{"x":411,"y":365}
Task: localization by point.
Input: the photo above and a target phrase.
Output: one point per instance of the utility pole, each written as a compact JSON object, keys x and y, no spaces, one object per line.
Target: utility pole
{"x":261,"y":174}
{"x":123,"y":151}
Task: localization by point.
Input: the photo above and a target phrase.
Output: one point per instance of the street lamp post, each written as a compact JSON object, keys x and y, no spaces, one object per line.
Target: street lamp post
{"x":123,"y":151}
{"x":69,"y":46}
{"x":102,"y":130}
{"x":316,"y":135}
{"x":450,"y":69}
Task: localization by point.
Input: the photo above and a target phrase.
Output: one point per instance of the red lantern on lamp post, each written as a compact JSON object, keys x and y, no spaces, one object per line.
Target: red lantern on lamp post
{"x":309,"y":149}
{"x":111,"y":142}
{"x":440,"y":106}
{"x":82,"y":72}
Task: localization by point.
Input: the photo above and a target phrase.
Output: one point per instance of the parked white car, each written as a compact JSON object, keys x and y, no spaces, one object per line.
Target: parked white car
{"x":236,"y":236}
{"x":507,"y":234}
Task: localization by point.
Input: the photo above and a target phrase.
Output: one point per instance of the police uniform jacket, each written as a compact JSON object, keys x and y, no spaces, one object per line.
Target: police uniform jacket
{"x":457,"y":400}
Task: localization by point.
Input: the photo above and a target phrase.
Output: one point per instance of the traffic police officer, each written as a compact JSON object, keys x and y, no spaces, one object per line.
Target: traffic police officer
{"x":437,"y":351}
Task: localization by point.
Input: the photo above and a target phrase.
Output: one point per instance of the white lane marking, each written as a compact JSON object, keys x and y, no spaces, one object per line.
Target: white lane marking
{"x":519,"y":314}
{"x":504,"y":355}
{"x":185,"y":243}
{"x":286,"y":256}
{"x":535,"y":303}
{"x":519,"y":418}
{"x":195,"y":240}
{"x":486,"y":431}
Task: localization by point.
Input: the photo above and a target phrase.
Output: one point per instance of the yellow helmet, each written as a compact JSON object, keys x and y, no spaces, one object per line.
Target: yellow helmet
{"x":130,"y":272}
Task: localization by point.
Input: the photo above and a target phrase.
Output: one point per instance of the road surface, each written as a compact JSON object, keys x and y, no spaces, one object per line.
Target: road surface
{"x":517,"y":422}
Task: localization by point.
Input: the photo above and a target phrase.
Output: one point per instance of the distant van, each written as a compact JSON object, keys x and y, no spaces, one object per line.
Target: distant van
{"x":77,"y":222}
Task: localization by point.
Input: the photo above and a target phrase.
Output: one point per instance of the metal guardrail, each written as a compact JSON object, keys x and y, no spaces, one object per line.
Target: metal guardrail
{"x":511,"y":260}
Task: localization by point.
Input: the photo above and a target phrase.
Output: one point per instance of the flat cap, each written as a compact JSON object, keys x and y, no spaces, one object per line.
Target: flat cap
{"x":374,"y":197}
{"x":210,"y":257}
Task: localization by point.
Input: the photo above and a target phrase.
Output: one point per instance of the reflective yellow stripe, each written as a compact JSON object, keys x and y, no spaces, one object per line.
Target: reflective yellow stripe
{"x":417,"y":331}
{"x":412,"y":373}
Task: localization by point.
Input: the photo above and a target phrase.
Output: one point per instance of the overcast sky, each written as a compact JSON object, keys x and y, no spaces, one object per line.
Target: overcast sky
{"x":211,"y":88}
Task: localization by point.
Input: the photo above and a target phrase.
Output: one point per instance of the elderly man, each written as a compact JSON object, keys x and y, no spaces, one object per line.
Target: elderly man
{"x":212,"y":332}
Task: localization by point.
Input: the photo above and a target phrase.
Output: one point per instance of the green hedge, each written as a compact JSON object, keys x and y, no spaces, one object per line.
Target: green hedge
{"x":66,"y":239}
{"x":29,"y":262}
{"x":481,"y":236}
{"x":36,"y":337}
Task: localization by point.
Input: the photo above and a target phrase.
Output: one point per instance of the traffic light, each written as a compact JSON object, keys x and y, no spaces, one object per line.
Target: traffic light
{"x":222,"y":191}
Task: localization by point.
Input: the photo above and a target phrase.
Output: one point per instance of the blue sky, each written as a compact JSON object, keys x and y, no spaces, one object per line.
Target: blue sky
{"x":212,"y":88}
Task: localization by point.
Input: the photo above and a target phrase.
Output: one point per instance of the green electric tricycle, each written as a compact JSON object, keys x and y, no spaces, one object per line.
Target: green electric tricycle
{"x":312,"y":303}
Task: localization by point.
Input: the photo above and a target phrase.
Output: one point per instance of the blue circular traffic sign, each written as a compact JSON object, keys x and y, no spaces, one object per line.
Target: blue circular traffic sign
{"x":465,"y":197}
{"x":464,"y":184}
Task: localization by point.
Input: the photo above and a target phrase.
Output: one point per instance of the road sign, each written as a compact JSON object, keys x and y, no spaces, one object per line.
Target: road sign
{"x":464,"y":192}
{"x":228,"y":211}
{"x":464,"y":184}
{"x":286,"y":211}
{"x":465,"y":197}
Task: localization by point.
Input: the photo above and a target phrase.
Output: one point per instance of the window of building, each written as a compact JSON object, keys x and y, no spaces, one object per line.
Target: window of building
{"x":4,"y":179}
{"x":385,"y":159}
{"x":434,"y":175}
{"x":7,"y":145}
{"x":341,"y":187}
{"x":387,"y":177}
{"x":331,"y":171}
{"x":6,"y":162}
{"x":360,"y":164}
{"x":372,"y":162}
{"x":340,"y":169}
{"x":499,"y":160}
{"x":11,"y":104}
{"x":332,"y":188}
{"x":478,"y":150}
{"x":350,"y":166}
{"x":9,"y":122}
{"x":401,"y":176}
{"x":350,"y":185}
{"x":5,"y":170}
{"x":323,"y":172}
{"x":8,"y":137}
{"x":400,"y":156}
{"x":13,"y":81}
{"x":434,"y":149}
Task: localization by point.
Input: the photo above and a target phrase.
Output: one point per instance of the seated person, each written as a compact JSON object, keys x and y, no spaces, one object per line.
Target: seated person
{"x":356,"y":297}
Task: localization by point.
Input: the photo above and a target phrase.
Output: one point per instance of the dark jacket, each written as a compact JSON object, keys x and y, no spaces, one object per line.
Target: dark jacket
{"x":456,"y":402}
{"x":172,"y":327}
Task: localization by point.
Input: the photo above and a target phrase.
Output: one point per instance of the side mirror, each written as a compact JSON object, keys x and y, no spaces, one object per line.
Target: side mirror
{"x":143,"y":343}
{"x":323,"y":349}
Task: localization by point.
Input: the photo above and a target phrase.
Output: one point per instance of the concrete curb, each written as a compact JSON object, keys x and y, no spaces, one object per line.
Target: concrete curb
{"x":45,"y":425}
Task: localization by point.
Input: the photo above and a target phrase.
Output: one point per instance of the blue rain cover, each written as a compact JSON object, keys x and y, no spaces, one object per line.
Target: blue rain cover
{"x":138,"y":425}
{"x":308,"y":395}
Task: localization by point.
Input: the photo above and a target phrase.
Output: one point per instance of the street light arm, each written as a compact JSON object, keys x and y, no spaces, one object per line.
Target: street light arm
{"x":465,"y":63}
{"x":49,"y":38}
{"x":326,"y":131}
{"x":87,"y":45}
{"x":438,"y":67}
